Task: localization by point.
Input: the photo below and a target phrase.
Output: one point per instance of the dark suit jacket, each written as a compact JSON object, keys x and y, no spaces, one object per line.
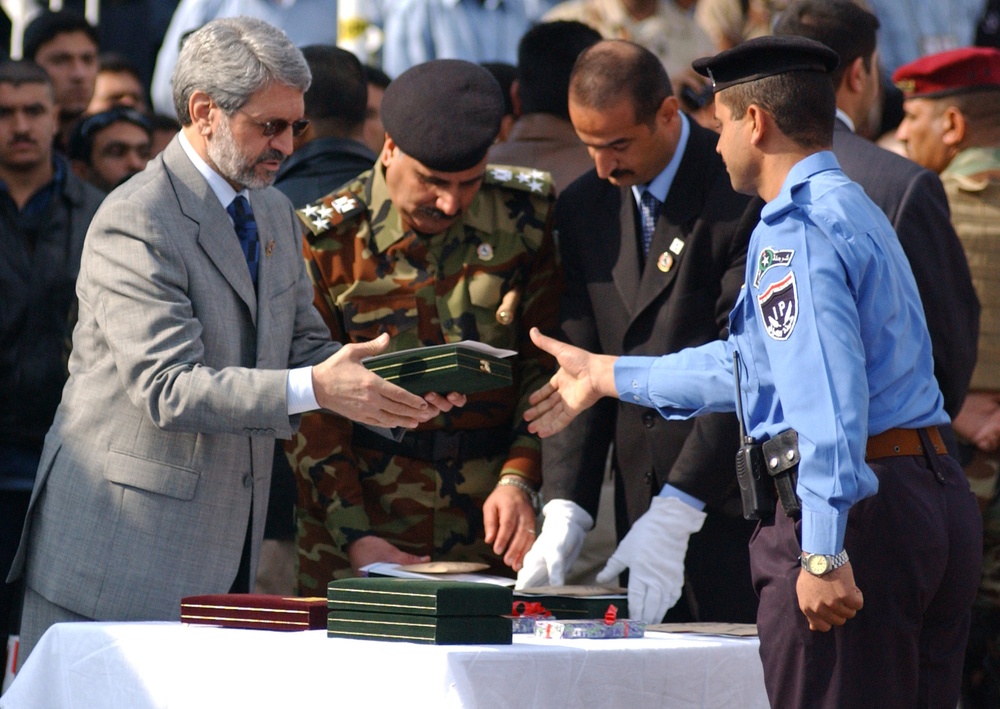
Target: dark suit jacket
{"x":612,"y":306}
{"x":916,"y":205}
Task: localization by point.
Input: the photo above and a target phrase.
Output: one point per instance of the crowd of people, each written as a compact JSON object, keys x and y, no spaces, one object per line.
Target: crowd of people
{"x":639,"y":197}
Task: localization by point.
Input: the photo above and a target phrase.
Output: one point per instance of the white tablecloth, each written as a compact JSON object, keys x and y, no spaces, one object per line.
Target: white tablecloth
{"x":161,"y":665}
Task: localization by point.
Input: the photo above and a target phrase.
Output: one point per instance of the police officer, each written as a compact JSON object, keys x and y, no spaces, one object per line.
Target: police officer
{"x":431,"y":246}
{"x":828,"y":307}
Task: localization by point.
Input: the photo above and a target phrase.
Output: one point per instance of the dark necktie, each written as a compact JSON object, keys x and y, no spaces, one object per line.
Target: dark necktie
{"x":649,"y":210}
{"x":246,"y":230}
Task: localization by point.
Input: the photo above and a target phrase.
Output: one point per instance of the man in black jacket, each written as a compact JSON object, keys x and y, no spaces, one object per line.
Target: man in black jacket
{"x":44,"y":214}
{"x":330,"y":152}
{"x":647,"y":279}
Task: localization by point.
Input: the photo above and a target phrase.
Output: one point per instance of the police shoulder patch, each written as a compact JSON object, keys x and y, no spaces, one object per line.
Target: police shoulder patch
{"x":769,"y":258}
{"x":330,"y":211}
{"x":519,"y":178}
{"x":779,"y":307}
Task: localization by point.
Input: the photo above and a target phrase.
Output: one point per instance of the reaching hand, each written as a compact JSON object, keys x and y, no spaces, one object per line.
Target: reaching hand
{"x":654,"y":551}
{"x":369,"y":549}
{"x":583,"y":378}
{"x":557,"y":547}
{"x":345,"y":386}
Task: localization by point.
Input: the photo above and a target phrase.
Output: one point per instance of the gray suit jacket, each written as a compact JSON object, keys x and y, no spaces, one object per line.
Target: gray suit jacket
{"x":176,"y":392}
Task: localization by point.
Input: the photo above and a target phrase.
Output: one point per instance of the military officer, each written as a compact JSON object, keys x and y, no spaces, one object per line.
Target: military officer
{"x":430,"y":246}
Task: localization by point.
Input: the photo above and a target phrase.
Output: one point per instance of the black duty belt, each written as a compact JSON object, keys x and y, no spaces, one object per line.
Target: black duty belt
{"x":439,"y":445}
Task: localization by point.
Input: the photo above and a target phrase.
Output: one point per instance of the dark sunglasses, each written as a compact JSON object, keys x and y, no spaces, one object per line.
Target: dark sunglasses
{"x":279,"y":125}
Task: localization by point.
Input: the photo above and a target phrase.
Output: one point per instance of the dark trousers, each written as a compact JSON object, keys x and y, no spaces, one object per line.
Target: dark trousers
{"x":916,"y":551}
{"x":13,"y":509}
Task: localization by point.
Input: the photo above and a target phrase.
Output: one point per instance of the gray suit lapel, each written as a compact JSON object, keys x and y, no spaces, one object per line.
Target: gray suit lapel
{"x":215,"y":231}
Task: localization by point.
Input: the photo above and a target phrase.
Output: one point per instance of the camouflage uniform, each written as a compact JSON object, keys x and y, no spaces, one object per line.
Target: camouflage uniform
{"x":372,"y":277}
{"x":972,"y":183}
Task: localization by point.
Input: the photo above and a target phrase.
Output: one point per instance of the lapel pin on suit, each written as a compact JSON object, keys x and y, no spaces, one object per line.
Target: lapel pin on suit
{"x":269,"y":248}
{"x":665,"y":262}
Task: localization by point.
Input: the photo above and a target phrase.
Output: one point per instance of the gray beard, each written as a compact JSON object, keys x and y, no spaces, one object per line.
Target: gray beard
{"x":233,"y":164}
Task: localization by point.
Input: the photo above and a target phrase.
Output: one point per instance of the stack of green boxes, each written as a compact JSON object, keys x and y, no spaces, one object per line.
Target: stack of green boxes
{"x":419,"y":611}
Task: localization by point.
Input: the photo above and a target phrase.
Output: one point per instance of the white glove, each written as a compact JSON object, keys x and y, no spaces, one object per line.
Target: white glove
{"x":654,"y":552}
{"x":557,"y":547}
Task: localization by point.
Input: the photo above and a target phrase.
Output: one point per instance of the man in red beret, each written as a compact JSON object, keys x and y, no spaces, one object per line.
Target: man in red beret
{"x":951,"y":125}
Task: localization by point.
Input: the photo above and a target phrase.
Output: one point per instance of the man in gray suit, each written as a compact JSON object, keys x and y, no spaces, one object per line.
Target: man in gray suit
{"x":192,"y":353}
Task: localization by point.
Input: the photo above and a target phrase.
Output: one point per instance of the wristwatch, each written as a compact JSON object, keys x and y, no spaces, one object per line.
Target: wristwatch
{"x":533,"y":497}
{"x":822,"y":564}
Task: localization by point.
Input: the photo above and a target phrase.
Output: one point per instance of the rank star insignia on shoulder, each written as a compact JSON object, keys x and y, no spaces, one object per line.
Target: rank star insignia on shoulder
{"x":519,"y":178}
{"x":330,"y":212}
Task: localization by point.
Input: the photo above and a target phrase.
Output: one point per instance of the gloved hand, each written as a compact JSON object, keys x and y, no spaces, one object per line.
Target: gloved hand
{"x":557,"y":547}
{"x":654,"y":552}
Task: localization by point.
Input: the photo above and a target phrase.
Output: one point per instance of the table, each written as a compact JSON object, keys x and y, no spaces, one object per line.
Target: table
{"x":175,"y":665}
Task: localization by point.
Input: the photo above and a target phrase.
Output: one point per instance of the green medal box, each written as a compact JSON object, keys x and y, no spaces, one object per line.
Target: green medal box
{"x":426,"y":629}
{"x":419,"y":610}
{"x":466,"y":367}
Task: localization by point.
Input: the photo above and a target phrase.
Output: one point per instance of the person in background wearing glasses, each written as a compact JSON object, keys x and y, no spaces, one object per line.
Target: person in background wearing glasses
{"x":44,"y":214}
{"x":109,"y":147}
{"x":432,"y":245}
{"x":197,"y":345}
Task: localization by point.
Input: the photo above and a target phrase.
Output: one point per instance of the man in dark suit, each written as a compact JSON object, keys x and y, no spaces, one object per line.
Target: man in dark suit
{"x":912,"y":197}
{"x":632,"y":289}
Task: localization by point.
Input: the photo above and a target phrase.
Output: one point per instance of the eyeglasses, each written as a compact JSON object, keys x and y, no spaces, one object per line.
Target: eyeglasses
{"x":278,"y":125}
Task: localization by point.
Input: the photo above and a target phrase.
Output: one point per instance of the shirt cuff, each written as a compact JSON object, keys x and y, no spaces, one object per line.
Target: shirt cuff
{"x":299,"y":391}
{"x":823,"y":533}
{"x":632,"y":379}
{"x":669,"y":490}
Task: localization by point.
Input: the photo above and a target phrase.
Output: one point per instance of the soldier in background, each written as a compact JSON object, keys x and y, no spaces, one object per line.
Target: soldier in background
{"x":431,"y":246}
{"x":951,"y":126}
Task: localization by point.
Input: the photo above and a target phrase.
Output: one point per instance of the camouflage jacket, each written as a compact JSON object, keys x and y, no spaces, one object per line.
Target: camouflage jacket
{"x":371,"y":276}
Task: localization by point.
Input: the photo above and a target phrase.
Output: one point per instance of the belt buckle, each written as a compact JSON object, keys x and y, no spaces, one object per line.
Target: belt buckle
{"x":447,"y":445}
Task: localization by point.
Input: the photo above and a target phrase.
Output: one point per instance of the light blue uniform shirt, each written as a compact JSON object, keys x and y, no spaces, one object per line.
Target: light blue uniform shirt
{"x":417,"y":31}
{"x":832,"y":342}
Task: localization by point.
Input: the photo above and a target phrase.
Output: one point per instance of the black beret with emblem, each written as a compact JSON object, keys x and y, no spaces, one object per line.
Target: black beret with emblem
{"x":766,"y":56}
{"x":444,"y":113}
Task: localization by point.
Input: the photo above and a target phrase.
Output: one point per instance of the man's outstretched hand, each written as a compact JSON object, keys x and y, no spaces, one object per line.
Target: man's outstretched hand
{"x":582,"y":379}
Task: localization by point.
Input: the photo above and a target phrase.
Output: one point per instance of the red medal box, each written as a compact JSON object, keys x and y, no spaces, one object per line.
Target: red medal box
{"x":255,"y":611}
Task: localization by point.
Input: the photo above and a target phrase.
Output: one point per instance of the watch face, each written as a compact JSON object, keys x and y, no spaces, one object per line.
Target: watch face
{"x":818,"y":564}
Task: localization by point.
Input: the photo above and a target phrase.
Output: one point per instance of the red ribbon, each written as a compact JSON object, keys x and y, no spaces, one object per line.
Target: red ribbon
{"x":611,"y":615}
{"x":524,"y":608}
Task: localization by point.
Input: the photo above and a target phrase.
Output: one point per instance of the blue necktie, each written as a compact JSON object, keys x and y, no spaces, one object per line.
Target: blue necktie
{"x":246,"y":230}
{"x":649,"y":211}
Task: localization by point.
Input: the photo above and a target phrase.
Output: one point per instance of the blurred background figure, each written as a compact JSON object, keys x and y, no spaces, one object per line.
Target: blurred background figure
{"x":373,"y":132}
{"x":329,"y":152}
{"x":164,"y":130}
{"x":107,"y":148}
{"x":65,"y":45}
{"x":504,"y":73}
{"x":543,"y":137}
{"x":117,"y":84}
{"x":304,"y":21}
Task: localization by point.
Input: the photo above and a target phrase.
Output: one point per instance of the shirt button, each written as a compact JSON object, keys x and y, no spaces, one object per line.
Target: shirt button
{"x":248,"y":480}
{"x":635,"y":384}
{"x":635,"y":397}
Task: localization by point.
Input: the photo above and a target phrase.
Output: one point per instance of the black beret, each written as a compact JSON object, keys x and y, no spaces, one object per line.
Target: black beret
{"x":444,"y":113}
{"x":766,"y":56}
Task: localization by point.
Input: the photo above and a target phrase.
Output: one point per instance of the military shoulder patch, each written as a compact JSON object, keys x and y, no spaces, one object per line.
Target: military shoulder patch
{"x":519,"y":178}
{"x":779,"y":307}
{"x":769,"y":258}
{"x":330,"y":211}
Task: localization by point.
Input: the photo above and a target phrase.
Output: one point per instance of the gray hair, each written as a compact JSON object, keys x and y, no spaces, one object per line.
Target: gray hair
{"x":231,"y":59}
